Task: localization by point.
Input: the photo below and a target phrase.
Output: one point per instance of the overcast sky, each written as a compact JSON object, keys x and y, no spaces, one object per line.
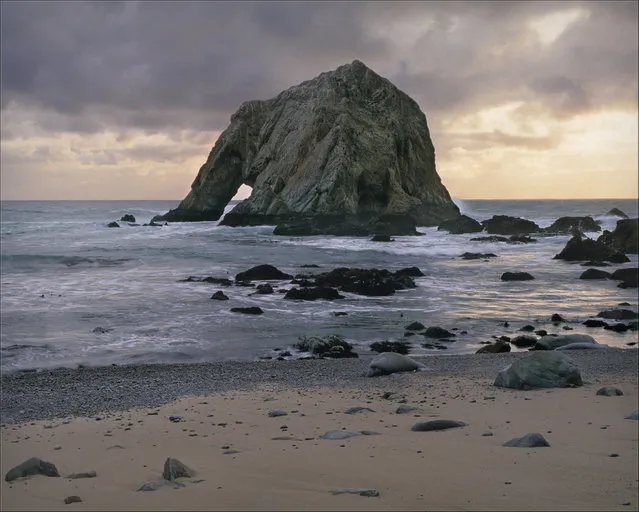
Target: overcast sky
{"x":124,"y":100}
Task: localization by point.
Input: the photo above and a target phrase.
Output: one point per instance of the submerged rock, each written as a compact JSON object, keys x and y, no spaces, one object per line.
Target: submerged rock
{"x":517,"y":276}
{"x":347,"y":144}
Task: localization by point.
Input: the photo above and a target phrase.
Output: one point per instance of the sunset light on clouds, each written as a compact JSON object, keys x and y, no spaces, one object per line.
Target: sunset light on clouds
{"x":124,"y":100}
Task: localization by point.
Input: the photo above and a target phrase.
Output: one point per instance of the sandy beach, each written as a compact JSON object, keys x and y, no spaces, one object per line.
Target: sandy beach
{"x":246,"y":459}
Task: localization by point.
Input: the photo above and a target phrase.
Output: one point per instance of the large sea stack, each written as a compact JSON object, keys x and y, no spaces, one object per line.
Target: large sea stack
{"x":344,"y":153}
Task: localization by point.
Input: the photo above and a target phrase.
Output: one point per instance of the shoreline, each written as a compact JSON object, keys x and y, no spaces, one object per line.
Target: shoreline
{"x":82,"y":392}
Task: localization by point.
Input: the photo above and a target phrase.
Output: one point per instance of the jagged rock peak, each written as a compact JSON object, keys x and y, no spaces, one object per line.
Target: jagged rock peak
{"x":346,"y":144}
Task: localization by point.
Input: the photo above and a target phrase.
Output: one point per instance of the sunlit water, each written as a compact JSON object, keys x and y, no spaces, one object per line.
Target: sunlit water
{"x":64,"y":273}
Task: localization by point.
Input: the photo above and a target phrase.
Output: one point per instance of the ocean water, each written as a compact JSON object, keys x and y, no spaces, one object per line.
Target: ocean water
{"x":64,"y":273}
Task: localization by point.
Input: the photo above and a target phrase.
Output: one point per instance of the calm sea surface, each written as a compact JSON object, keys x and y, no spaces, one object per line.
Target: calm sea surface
{"x":64,"y":273}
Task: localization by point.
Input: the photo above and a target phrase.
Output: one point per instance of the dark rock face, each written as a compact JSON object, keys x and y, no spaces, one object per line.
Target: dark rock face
{"x":516,"y":276}
{"x":460,"y":225}
{"x":410,"y":272}
{"x":368,"y":282}
{"x":477,"y":256}
{"x":313,"y":293}
{"x":264,"y":289}
{"x":347,"y":143}
{"x":505,"y":225}
{"x":494,"y":348}
{"x":127,"y":218}
{"x":399,"y":347}
{"x":616,"y":212}
{"x":32,"y":466}
{"x":582,"y":249}
{"x":595,"y":323}
{"x":566,"y":225}
{"x":624,"y":238}
{"x":513,"y":239}
{"x":524,"y":341}
{"x":593,"y":273}
{"x":173,"y":469}
{"x":628,"y":276}
{"x":262,"y":273}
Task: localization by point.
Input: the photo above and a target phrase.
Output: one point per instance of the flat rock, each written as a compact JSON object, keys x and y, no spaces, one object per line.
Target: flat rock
{"x":436,"y":425}
{"x":540,"y":370}
{"x":336,"y":435}
{"x":554,"y":342}
{"x":173,"y":469}
{"x":355,"y":410}
{"x":391,"y":362}
{"x":252,"y":310}
{"x":533,"y":440}
{"x":609,"y":391}
{"x":72,"y":499}
{"x":405,"y":409}
{"x":276,"y":413}
{"x":158,"y":484}
{"x":87,"y":474}
{"x":361,"y":491}
{"x":32,"y":466}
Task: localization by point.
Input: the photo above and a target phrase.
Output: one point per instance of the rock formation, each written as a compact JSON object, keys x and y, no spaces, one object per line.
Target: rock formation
{"x":347,"y":144}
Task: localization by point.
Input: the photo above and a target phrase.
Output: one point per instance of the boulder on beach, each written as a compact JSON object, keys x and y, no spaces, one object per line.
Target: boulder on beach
{"x":566,"y":225}
{"x":533,"y":440}
{"x":437,"y":425}
{"x":344,"y":148}
{"x":262,"y":273}
{"x":553,"y":342}
{"x":609,"y":391}
{"x":517,"y":276}
{"x":540,"y":370}
{"x":506,"y":225}
{"x":174,"y":469}
{"x":32,"y":466}
{"x":460,"y":225}
{"x":391,"y":362}
{"x":494,"y":348}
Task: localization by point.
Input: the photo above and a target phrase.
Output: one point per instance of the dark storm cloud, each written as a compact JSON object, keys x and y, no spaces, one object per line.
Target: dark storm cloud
{"x":189,"y":65}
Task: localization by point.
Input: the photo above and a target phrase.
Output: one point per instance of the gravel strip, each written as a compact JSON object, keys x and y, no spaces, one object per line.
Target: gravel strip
{"x":48,"y":394}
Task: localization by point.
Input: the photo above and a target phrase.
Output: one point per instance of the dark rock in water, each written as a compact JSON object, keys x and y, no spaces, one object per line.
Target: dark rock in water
{"x":360,"y":491}
{"x":368,"y":282}
{"x":582,"y":249}
{"x":555,"y":342}
{"x":252,"y":310}
{"x":436,"y":425}
{"x":494,"y":348}
{"x":303,"y":282}
{"x":593,"y":273}
{"x":174,"y":469}
{"x":556,"y":317}
{"x":521,"y":239}
{"x":382,"y":238}
{"x":338,"y":225}
{"x":505,"y":225}
{"x":437,"y":332}
{"x":595,"y":264}
{"x":618,"y":314}
{"x":524,"y":341}
{"x":540,"y":370}
{"x":400,"y":347}
{"x":309,"y":265}
{"x":565,"y":225}
{"x":516,"y":276}
{"x":434,"y":346}
{"x":616,"y":327}
{"x":222,"y":281}
{"x":609,"y":391}
{"x":460,"y":225}
{"x":629,"y":276}
{"x":340,"y":313}
{"x":127,"y":218}
{"x":533,"y":440}
{"x":410,"y":272}
{"x":624,"y":238}
{"x":415,"y":326}
{"x":493,"y":238}
{"x":101,"y":330}
{"x":633,"y":326}
{"x":327,"y":346}
{"x":219,"y":295}
{"x":595,"y":323}
{"x":72,"y":499}
{"x":477,"y":256}
{"x":113,"y":225}
{"x":313,"y":293}
{"x":264,"y":289}
{"x":262,"y":273}
{"x":391,"y":362}
{"x":527,"y":328}
{"x":541,"y":332}
{"x":246,"y":284}
{"x":616,"y":212}
{"x":319,"y":149}
{"x":32,"y":466}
